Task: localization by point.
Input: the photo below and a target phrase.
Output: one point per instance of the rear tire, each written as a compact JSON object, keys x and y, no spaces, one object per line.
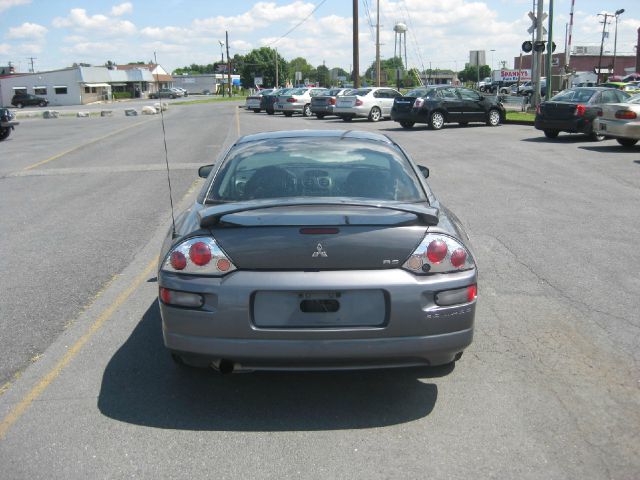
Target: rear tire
{"x":270,"y":112}
{"x":407,"y":124}
{"x":319,"y":116}
{"x":347,"y":118}
{"x":626,"y":142}
{"x":493,"y":118}
{"x":256,"y":110}
{"x":551,"y":133}
{"x":375,"y":114}
{"x":436,"y":120}
{"x":306,"y":111}
{"x":596,"y":137}
{"x":288,"y":114}
{"x":4,"y":133}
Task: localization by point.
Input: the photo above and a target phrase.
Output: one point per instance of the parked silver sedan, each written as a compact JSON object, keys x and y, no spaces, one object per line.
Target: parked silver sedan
{"x":325,"y":103}
{"x":373,"y":103}
{"x":316,"y":250}
{"x":297,"y":101}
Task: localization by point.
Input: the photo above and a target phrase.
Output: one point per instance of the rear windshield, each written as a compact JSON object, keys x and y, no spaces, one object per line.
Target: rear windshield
{"x":298,"y":91}
{"x":360,"y":92}
{"x":315,"y":167}
{"x":421,"y":92}
{"x":580,"y":95}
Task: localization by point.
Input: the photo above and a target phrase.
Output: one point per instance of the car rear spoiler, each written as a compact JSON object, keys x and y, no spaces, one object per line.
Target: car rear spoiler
{"x":211,"y":216}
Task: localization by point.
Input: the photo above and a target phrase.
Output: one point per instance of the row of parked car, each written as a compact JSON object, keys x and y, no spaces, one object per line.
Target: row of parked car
{"x":599,"y":112}
{"x":431,"y":105}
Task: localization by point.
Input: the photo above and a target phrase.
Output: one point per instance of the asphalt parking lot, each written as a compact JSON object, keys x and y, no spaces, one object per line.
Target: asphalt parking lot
{"x":550,"y":388}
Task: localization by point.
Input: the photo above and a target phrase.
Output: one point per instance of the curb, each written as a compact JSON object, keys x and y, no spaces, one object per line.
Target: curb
{"x":518,"y":122}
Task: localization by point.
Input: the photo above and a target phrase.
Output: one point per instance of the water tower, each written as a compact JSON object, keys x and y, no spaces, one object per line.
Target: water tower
{"x":400,"y":30}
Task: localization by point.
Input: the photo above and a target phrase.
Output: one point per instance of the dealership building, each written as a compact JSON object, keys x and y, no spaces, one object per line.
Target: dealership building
{"x":81,"y":85}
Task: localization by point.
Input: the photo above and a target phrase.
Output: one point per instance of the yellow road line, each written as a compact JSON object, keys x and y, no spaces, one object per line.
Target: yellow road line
{"x":41,"y":386}
{"x":71,"y":150}
{"x":238,"y":121}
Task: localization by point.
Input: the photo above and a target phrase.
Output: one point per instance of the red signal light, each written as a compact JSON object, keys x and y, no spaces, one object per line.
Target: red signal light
{"x":458,"y":257}
{"x":165,"y":295}
{"x":332,"y":101}
{"x":580,"y":110}
{"x":359,"y":102}
{"x":178,"y":260}
{"x":626,"y":114}
{"x":472,"y":292}
{"x":199,"y":253}
{"x":436,"y":251}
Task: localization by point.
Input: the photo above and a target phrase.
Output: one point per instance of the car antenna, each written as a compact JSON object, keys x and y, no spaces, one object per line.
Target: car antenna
{"x":166,"y":152}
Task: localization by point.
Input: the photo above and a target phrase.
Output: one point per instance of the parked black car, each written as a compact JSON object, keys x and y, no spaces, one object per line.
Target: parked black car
{"x":574,"y":110}
{"x":437,"y":105}
{"x":323,"y":104}
{"x":23,"y":99}
{"x":268,"y":99}
{"x":7,"y":123}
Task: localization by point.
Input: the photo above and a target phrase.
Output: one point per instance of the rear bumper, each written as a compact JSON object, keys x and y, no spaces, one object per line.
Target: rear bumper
{"x":289,"y":107}
{"x":416,"y":116}
{"x":572,"y":125}
{"x":618,"y":128}
{"x":416,"y":330}
{"x":360,"y":111}
{"x":326,"y":109}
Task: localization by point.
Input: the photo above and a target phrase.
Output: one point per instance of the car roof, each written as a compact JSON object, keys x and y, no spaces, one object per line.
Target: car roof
{"x":357,"y":134}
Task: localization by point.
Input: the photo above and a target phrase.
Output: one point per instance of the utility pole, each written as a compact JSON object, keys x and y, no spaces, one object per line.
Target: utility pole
{"x":226,"y":35}
{"x":356,"y":54}
{"x":549,"y":52}
{"x":604,"y":26}
{"x":537,"y":57}
{"x":276,"y":85}
{"x":378,"y":45}
{"x":31,"y":59}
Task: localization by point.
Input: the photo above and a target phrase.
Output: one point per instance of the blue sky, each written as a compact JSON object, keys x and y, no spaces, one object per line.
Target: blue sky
{"x":441,"y":33}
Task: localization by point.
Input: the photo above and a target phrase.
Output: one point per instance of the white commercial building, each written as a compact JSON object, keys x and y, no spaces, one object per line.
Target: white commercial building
{"x":78,"y":85}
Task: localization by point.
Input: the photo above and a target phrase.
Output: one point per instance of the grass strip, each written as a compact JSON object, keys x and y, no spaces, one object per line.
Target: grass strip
{"x":521,"y":116}
{"x":209,"y":100}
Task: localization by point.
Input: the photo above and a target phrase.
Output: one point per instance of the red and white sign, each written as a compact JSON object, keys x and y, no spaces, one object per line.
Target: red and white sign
{"x":513,"y":75}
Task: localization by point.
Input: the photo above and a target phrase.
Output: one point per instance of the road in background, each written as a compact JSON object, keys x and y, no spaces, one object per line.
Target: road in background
{"x":548,"y":389}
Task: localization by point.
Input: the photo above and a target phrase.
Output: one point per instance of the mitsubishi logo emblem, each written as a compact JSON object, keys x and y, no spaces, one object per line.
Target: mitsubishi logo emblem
{"x":319,"y":252}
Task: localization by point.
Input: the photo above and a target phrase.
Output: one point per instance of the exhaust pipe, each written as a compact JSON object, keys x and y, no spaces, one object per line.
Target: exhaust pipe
{"x":223,"y":366}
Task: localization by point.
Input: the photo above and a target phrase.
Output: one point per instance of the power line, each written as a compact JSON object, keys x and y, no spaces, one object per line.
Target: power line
{"x":296,"y":26}
{"x":370,"y":21}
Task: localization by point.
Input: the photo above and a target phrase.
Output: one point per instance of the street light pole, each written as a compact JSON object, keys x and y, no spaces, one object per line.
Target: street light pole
{"x":604,"y":27}
{"x":615,"y":40}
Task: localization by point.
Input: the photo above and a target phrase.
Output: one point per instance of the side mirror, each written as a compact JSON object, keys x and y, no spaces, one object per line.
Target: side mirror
{"x":424,"y":170}
{"x":203,"y":172}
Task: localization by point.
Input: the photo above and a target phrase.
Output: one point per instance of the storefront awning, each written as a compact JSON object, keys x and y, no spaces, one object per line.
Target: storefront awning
{"x":97,"y":85}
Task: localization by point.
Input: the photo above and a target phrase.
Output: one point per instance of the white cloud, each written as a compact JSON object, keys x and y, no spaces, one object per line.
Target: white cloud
{"x":27,"y":30}
{"x":7,"y":4}
{"x":122,"y":9}
{"x":5,"y":48}
{"x":99,"y":24}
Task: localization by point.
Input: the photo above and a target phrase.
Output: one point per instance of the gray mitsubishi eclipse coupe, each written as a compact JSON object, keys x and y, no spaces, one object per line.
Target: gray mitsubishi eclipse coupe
{"x":316,"y":250}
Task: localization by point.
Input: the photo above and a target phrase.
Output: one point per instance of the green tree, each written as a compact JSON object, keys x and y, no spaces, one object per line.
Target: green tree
{"x":323,"y":76}
{"x":261,"y":62}
{"x":388,"y":68}
{"x":300,"y":64}
{"x":470,"y":73}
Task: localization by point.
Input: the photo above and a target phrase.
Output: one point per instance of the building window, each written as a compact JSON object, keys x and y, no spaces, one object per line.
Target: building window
{"x":60,"y":90}
{"x":19,"y":90}
{"x":40,"y":90}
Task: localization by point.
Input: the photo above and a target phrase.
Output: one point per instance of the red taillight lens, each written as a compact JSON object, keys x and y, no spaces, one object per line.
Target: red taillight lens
{"x":439,"y":253}
{"x":472,"y":293}
{"x":178,"y":260}
{"x":291,"y":100}
{"x":458,"y":258}
{"x":359,"y":102}
{"x":580,"y":110}
{"x":223,"y":264}
{"x":626,"y":115}
{"x":332,"y":101}
{"x":199,"y":253}
{"x":165,"y":295}
{"x":436,"y":251}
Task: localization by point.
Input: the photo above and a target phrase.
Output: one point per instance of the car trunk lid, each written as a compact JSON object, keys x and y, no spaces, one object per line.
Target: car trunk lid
{"x":558,"y":110}
{"x":404,"y":104}
{"x":319,"y":237}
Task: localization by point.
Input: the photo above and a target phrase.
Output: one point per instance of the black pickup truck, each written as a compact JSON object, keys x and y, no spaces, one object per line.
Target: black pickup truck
{"x":7,"y":123}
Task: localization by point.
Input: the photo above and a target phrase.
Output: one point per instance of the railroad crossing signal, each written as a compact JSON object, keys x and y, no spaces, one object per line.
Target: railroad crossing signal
{"x":534,"y":23}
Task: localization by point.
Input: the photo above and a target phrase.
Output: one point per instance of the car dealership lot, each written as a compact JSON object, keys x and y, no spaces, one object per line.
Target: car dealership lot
{"x":548,"y":389}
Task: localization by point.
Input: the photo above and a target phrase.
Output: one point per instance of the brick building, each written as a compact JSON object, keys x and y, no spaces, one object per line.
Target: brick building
{"x":582,"y":63}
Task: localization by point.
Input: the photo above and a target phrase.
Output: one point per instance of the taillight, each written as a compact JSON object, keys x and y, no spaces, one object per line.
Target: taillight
{"x":358,"y":102}
{"x":626,"y":114}
{"x":291,"y":100}
{"x":332,"y":101}
{"x":457,"y":296}
{"x":198,"y":255}
{"x":181,"y":299}
{"x":580,"y":110}
{"x":439,"y":254}
{"x":418,"y":103}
